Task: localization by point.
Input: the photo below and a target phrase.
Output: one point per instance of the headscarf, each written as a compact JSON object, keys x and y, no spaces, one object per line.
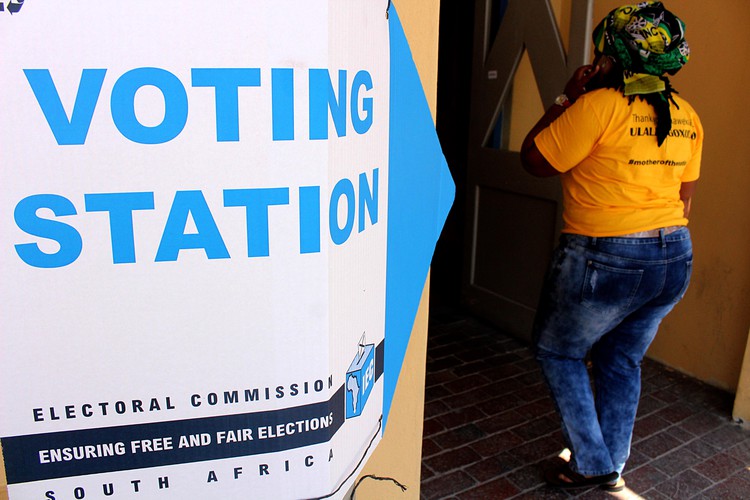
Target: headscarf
{"x":648,"y":41}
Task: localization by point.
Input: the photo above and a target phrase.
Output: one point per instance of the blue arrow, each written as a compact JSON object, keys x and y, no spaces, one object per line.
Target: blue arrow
{"x":420,"y":194}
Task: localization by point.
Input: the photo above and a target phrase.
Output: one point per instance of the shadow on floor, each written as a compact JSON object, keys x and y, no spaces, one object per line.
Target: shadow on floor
{"x":490,"y":426}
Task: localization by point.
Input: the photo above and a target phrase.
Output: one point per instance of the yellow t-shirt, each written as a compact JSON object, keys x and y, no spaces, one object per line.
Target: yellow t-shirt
{"x":616,"y":179}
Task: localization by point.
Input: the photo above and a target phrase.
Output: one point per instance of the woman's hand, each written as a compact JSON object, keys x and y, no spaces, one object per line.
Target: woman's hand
{"x":576,"y":86}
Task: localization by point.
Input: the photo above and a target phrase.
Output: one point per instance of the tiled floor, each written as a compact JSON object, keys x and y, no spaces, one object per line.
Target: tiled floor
{"x":490,"y":426}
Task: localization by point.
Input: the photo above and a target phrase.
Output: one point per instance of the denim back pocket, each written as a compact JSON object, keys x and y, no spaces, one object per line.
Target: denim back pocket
{"x":609,"y":289}
{"x":686,"y":280}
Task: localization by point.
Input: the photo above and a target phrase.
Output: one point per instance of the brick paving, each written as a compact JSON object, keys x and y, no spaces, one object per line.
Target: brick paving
{"x":490,"y":427}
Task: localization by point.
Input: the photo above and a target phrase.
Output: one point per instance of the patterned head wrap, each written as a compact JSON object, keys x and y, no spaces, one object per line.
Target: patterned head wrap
{"x":647,"y":40}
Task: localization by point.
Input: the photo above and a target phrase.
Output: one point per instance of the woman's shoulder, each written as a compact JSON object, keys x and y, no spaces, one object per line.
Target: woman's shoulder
{"x":605,"y":97}
{"x":684,"y":105}
{"x":603,"y":94}
{"x":606,"y":102}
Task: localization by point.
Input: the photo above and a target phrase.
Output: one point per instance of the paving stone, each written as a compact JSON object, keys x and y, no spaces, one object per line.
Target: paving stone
{"x":703,"y":423}
{"x":648,"y":426}
{"x":498,"y":443}
{"x":680,"y":434}
{"x":717,"y":401}
{"x":441,"y":352}
{"x":490,"y":426}
{"x":436,"y":392}
{"x":489,"y":468}
{"x":636,"y":459}
{"x":476,"y":353}
{"x":651,"y":494}
{"x":497,"y":489}
{"x":439,"y":378}
{"x":504,"y":369}
{"x":537,"y":427}
{"x":538,"y":449}
{"x":429,"y":448}
{"x":460,"y":417}
{"x":702,"y":395}
{"x":701,"y":448}
{"x":506,"y":388}
{"x":594,"y":494}
{"x":658,"y":444}
{"x":447,"y":363}
{"x":657,"y":386}
{"x":452,"y":459}
{"x":537,"y":408}
{"x":741,"y":451}
{"x":435,"y":408}
{"x":464,"y":384}
{"x":643,"y":478}
{"x":500,"y":404}
{"x":458,"y":437}
{"x":676,"y":412}
{"x":432,"y":427}
{"x":512,"y":461}
{"x":719,"y":467}
{"x":515,"y":355}
{"x":734,"y":488}
{"x":471,"y":368}
{"x":527,"y":477}
{"x":726,"y":436}
{"x":674,"y":463}
{"x":650,"y":369}
{"x":502,"y":421}
{"x":664,"y":395}
{"x":648,"y":405}
{"x":536,"y":392}
{"x":533,"y":379}
{"x":445,"y":485}
{"x":469,"y":398}
{"x":542,"y":493}
{"x":427,"y":473}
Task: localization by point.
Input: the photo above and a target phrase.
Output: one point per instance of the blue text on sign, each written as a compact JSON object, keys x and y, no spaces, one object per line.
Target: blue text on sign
{"x":325,"y":97}
{"x":348,"y":204}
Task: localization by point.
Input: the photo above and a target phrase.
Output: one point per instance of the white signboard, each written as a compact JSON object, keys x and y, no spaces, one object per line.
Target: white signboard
{"x":193,"y":220}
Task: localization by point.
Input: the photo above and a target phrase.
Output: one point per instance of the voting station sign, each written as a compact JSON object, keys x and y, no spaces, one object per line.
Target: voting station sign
{"x":213,"y":236}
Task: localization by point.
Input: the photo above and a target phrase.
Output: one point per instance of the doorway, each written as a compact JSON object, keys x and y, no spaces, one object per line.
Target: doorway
{"x":501,"y":62}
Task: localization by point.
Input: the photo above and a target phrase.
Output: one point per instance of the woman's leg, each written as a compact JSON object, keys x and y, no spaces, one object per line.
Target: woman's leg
{"x":564,"y":331}
{"x":617,"y":358}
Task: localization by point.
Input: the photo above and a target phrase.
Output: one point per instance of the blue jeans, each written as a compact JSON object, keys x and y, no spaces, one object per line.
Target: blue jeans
{"x":605,"y":297}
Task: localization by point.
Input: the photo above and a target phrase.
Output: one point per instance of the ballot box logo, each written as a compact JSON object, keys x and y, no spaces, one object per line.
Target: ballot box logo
{"x":11,"y":7}
{"x":360,"y":377}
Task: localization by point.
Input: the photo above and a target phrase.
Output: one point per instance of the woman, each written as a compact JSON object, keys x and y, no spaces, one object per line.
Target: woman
{"x":628,"y":151}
